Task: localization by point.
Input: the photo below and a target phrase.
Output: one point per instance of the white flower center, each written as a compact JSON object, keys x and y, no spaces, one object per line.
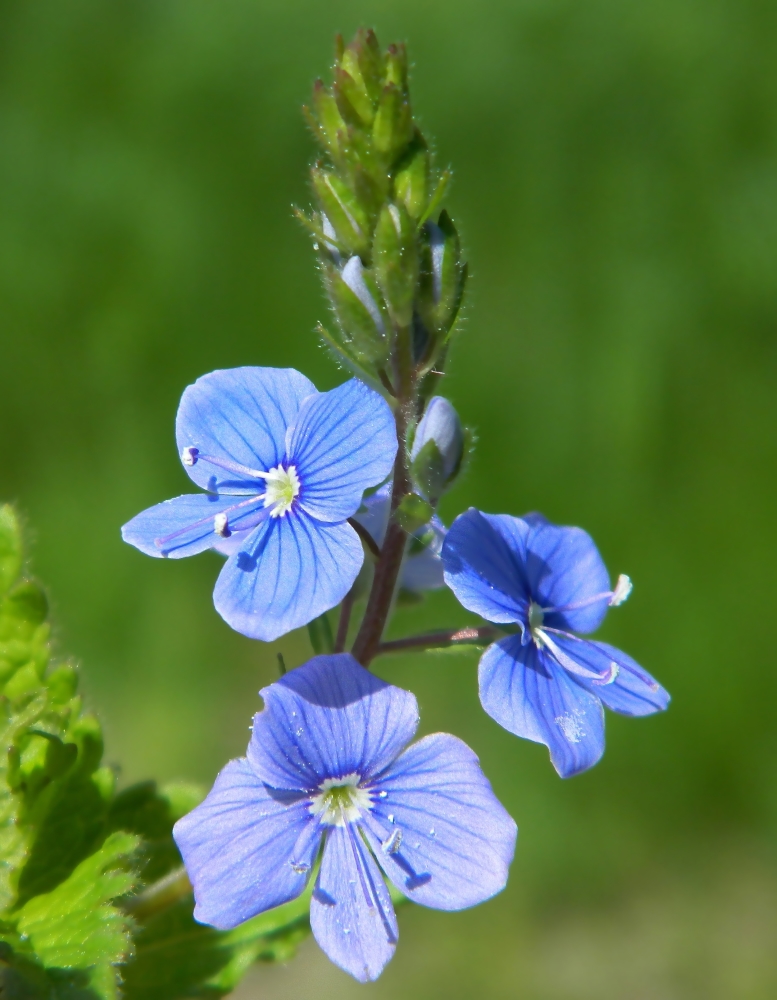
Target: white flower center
{"x":536,"y":618}
{"x":340,"y":800}
{"x":282,"y":486}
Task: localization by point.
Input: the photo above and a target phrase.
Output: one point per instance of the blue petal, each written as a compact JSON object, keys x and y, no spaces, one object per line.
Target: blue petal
{"x":633,"y":692}
{"x":343,"y":441}
{"x":374,"y":514}
{"x":424,"y":570}
{"x":241,"y":415}
{"x":327,"y":719}
{"x":564,"y":567}
{"x":189,"y":518}
{"x":290,"y":570}
{"x":351,"y":914}
{"x":457,"y":840}
{"x":241,"y":847}
{"x":484,"y":558}
{"x":531,"y":696}
{"x":420,"y":571}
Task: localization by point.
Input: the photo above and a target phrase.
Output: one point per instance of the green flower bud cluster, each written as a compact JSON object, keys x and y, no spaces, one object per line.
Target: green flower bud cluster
{"x":391,"y":260}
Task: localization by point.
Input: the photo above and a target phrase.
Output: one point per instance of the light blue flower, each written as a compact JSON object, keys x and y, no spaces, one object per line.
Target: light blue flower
{"x":326,"y":776}
{"x":546,"y":683}
{"x":284,"y":467}
{"x":422,"y":567}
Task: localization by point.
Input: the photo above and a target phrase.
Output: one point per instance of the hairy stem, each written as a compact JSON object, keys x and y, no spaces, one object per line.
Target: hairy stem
{"x":440,"y":640}
{"x":392,"y":551}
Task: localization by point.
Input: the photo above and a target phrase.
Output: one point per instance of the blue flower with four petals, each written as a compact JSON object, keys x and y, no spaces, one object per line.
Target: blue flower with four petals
{"x":283,"y":467}
{"x":327,"y":780}
{"x":546,"y":683}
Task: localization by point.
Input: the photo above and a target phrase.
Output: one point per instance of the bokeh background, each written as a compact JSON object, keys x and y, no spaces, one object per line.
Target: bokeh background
{"x":616,"y":187}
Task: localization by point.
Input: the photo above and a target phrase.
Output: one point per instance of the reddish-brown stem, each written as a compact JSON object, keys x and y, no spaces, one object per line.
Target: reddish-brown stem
{"x":392,"y":551}
{"x":365,"y":536}
{"x":440,"y":640}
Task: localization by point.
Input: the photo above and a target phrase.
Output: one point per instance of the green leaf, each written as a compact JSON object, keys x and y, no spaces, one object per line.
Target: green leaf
{"x":75,"y":926}
{"x":176,"y":957}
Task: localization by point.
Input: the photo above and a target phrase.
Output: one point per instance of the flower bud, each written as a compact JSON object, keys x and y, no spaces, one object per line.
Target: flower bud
{"x":438,"y":449}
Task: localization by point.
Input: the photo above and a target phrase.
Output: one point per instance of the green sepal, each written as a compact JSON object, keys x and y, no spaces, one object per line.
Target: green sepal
{"x":453,"y":278}
{"x":352,"y":99}
{"x":361,"y":336}
{"x":395,"y":257}
{"x":428,"y":472}
{"x":320,"y":633}
{"x":327,"y":122}
{"x":413,"y":512}
{"x":437,"y":197}
{"x":411,"y":180}
{"x":345,"y":359}
{"x":392,"y":129}
{"x":348,"y":218}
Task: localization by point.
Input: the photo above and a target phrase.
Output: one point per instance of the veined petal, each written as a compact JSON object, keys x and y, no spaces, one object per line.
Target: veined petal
{"x":484,"y":558}
{"x":342,"y":442}
{"x":528,"y":694}
{"x":351,"y":914}
{"x":564,"y":568}
{"x":247,"y":847}
{"x":453,"y":841}
{"x":184,"y":525}
{"x":327,"y":719}
{"x":240,"y":415}
{"x":291,"y":570}
{"x":633,"y":692}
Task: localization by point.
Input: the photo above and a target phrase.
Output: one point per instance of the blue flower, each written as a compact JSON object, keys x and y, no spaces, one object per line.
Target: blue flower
{"x":422,"y":568}
{"x":284,"y":467}
{"x":327,"y":777}
{"x":546,"y":683}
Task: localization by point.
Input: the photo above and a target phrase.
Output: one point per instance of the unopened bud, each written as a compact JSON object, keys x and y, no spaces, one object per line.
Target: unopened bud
{"x":438,"y":449}
{"x":353,"y":275}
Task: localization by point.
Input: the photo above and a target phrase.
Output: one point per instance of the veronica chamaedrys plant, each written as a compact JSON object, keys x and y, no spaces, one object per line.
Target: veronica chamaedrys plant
{"x":545,"y":683}
{"x":284,"y":467}
{"x":328,"y":772}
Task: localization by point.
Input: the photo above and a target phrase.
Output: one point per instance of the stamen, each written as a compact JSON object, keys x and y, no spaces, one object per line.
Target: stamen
{"x":605,"y":677}
{"x":221,"y":525}
{"x":189,"y":455}
{"x":162,"y":542}
{"x":623,"y":588}
{"x":225,"y":463}
{"x":393,"y":842}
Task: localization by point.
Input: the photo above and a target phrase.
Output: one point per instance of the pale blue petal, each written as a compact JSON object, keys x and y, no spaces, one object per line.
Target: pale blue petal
{"x":533,"y":697}
{"x":375,"y":513}
{"x":329,"y":718}
{"x":633,"y":692}
{"x":290,"y":571}
{"x":247,"y":848}
{"x":241,"y":415}
{"x":484,"y":556}
{"x":342,"y":442}
{"x":189,"y":518}
{"x":351,"y":914}
{"x":453,"y":840}
{"x":564,"y":568}
{"x":424,"y":570}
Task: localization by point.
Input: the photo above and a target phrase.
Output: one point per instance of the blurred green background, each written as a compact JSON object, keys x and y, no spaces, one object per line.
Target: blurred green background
{"x":616,"y":187}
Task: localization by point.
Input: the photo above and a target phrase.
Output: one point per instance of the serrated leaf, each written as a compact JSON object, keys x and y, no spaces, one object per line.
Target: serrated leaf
{"x":75,"y":926}
{"x":178,"y":958}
